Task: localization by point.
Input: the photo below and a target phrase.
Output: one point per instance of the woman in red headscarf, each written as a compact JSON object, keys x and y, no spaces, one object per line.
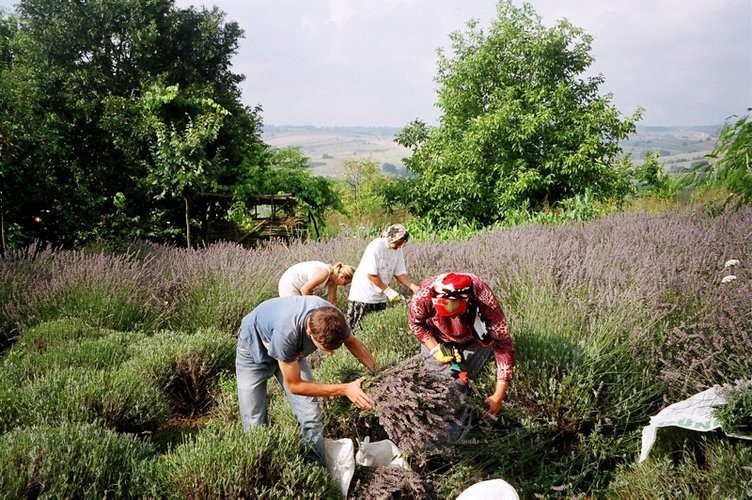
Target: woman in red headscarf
{"x":459,"y":321}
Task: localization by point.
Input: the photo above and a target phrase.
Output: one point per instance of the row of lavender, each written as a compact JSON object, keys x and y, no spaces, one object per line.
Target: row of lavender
{"x":660,"y":277}
{"x":612,"y":320}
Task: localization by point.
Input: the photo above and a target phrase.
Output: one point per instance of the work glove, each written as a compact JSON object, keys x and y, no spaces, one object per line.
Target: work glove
{"x":391,"y":295}
{"x":446,"y":354}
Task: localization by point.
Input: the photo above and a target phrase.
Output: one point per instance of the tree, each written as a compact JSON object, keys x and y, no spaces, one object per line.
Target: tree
{"x":179,"y":159}
{"x":519,"y":127}
{"x":733,"y":157}
{"x":286,"y":170}
{"x":72,"y":117}
{"x":361,"y":187}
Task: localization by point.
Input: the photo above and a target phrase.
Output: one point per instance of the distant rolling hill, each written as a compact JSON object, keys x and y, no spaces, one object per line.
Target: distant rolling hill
{"x":327,"y":147}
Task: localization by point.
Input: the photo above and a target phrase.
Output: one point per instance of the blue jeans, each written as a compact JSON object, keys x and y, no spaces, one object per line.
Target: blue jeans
{"x":252,"y":379}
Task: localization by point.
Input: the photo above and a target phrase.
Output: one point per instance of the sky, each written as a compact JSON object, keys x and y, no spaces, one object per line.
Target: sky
{"x":373,"y":62}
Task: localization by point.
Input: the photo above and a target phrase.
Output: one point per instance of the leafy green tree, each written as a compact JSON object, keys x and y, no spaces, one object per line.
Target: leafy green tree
{"x":732,"y":157}
{"x":75,"y":129}
{"x":520,"y":128}
{"x":286,"y":170}
{"x":179,"y":156}
{"x":362,"y":186}
{"x":651,"y":177}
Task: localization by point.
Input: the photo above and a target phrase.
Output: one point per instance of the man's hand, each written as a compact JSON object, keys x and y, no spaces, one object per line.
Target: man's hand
{"x":355,"y":393}
{"x":391,"y":295}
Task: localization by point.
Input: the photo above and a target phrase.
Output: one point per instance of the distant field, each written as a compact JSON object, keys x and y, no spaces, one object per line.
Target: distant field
{"x":678,"y":147}
{"x":327,"y":148}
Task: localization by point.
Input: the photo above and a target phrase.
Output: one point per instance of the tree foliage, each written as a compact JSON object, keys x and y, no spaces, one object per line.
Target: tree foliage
{"x":362,"y":187}
{"x":286,"y":170}
{"x":121,"y":119}
{"x":520,"y":126}
{"x":733,"y":157}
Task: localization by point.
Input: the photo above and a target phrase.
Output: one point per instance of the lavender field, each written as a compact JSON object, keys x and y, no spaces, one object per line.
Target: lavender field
{"x":612,"y":320}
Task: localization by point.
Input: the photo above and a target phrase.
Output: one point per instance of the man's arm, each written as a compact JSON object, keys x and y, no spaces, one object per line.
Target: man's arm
{"x":361,"y":352}
{"x":405,"y":280}
{"x":352,"y":390}
{"x":374,"y":278}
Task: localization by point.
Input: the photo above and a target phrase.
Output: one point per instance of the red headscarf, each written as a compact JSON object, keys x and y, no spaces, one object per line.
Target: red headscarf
{"x":450,"y":293}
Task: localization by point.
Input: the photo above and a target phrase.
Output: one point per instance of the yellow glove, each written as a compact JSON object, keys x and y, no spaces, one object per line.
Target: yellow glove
{"x":444,"y":353}
{"x":391,"y":295}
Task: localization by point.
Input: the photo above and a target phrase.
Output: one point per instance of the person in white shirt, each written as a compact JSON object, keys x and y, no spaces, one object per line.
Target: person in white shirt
{"x":383,"y":259}
{"x":304,"y":278}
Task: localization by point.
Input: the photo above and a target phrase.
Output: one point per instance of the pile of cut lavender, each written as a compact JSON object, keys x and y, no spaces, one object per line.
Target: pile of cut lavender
{"x":417,"y":408}
{"x":380,"y":483}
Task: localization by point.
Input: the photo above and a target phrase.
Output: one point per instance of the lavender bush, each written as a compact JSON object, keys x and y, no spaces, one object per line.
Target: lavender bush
{"x":226,"y":462}
{"x":186,"y":368}
{"x":612,"y":319}
{"x":75,"y":461}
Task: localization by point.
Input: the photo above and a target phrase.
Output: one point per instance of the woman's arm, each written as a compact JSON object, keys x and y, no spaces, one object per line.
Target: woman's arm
{"x":332,"y":293}
{"x":317,"y":278}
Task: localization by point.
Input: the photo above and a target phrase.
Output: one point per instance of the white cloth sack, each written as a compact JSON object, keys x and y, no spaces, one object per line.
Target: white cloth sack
{"x":493,"y":489}
{"x":340,"y":460}
{"x":379,"y":454}
{"x":695,"y":413}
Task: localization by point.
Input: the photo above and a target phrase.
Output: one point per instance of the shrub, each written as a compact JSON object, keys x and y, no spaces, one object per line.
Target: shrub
{"x":736,"y":415}
{"x":81,"y":395}
{"x":185,"y":367}
{"x":9,"y":407}
{"x":74,"y":461}
{"x":110,"y":291}
{"x":226,"y":462}
{"x":20,"y":271}
{"x":57,"y":332}
{"x":576,"y":387}
{"x":387,"y":336}
{"x":35,"y":355}
{"x":214,"y":287}
{"x":225,"y":407}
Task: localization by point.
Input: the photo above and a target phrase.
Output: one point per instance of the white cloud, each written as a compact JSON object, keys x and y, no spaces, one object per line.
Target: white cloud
{"x":372,"y":62}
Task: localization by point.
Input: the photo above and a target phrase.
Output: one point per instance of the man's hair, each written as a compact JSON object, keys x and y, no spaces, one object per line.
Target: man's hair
{"x":328,"y":327}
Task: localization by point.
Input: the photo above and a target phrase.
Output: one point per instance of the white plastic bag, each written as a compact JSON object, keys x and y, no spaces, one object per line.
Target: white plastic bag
{"x":379,"y":454}
{"x":695,"y":413}
{"x":340,"y":460}
{"x":493,"y":489}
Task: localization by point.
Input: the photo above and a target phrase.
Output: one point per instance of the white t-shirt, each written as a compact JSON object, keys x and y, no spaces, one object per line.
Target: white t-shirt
{"x":298,"y":275}
{"x":379,"y":259}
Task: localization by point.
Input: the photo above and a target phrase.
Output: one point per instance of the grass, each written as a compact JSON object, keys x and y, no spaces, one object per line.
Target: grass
{"x":613,"y":319}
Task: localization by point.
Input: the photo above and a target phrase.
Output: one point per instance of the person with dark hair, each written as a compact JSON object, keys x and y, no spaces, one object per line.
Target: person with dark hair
{"x":460,"y":323}
{"x":382,"y":260}
{"x":274,"y":340}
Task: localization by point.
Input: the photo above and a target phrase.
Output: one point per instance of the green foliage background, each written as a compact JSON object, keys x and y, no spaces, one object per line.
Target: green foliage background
{"x":118,"y":367}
